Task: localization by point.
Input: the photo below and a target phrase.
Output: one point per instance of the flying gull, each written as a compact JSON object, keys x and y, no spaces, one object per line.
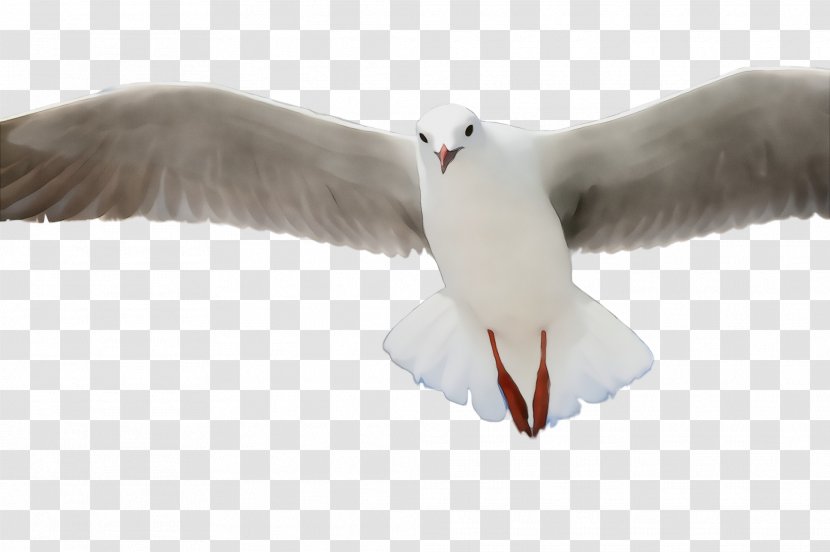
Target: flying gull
{"x":500,"y":208}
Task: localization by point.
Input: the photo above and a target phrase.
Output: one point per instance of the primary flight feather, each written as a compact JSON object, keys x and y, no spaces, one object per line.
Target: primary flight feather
{"x":500,"y":208}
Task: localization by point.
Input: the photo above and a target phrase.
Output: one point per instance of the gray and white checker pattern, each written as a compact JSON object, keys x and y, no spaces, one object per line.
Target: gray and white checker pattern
{"x":227,"y":388}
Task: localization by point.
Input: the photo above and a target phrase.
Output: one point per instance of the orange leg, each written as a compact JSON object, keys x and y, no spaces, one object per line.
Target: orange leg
{"x":541,"y":397}
{"x":515,"y":401}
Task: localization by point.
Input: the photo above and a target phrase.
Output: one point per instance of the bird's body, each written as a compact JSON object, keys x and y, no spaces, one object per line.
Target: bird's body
{"x":500,"y":208}
{"x":506,"y":267}
{"x":511,"y":273}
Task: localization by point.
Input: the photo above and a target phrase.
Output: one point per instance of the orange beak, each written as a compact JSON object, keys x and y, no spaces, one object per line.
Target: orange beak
{"x":446,"y":156}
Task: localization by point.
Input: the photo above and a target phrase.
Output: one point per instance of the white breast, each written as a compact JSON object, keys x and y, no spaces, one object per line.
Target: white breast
{"x":494,"y":234}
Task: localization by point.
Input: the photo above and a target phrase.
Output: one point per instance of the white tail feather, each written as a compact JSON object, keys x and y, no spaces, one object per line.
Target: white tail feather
{"x":590,"y":355}
{"x":446,"y":349}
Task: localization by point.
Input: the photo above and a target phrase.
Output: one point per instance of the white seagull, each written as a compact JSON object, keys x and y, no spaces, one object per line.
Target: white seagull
{"x":500,"y":208}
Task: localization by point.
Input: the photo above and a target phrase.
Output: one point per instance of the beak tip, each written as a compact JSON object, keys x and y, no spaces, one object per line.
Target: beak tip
{"x":445,"y":156}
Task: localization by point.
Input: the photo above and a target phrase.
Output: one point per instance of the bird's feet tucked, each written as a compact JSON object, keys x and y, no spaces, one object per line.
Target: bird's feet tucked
{"x":541,"y":396}
{"x":515,"y":402}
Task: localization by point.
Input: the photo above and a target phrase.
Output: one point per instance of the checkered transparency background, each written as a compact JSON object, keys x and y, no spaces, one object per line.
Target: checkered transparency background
{"x":163,"y":381}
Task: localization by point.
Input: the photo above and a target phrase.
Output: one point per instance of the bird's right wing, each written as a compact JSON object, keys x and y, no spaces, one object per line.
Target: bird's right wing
{"x":193,"y":152}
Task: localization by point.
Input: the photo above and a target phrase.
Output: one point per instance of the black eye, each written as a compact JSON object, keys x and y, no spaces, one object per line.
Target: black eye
{"x":469,"y":130}
{"x":423,"y":138}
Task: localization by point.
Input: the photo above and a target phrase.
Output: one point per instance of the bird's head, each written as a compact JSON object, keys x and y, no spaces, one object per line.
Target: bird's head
{"x":444,"y":131}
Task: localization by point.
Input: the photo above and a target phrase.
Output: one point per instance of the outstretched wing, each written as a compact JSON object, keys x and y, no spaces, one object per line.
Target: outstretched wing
{"x":749,"y":147}
{"x":192,"y":152}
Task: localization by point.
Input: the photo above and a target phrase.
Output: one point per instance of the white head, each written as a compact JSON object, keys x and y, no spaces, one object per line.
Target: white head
{"x":443,"y":132}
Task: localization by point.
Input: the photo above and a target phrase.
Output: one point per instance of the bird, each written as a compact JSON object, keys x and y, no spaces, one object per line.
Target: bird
{"x":500,"y":208}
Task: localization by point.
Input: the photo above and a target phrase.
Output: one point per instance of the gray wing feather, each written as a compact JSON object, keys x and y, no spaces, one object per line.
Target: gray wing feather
{"x":193,"y":152}
{"x":750,"y":147}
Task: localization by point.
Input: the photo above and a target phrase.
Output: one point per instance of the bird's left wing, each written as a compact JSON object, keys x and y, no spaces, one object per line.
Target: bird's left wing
{"x":193,"y":152}
{"x":750,"y":147}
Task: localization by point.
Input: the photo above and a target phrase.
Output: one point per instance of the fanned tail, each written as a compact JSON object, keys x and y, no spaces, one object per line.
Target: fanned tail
{"x":445,"y":348}
{"x":590,"y":355}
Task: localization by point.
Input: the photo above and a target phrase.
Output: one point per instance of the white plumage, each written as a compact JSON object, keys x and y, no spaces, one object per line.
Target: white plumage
{"x":500,"y":208}
{"x":506,"y":266}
